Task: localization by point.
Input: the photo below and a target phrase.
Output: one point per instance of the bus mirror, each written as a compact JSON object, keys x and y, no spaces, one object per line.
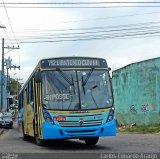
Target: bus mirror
{"x":109,"y":69}
{"x":38,"y":77}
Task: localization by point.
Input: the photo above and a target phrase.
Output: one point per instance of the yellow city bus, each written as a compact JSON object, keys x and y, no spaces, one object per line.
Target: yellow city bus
{"x":67,"y":98}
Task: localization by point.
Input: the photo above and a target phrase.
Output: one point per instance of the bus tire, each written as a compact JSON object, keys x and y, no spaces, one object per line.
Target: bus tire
{"x":91,"y":141}
{"x":39,"y":141}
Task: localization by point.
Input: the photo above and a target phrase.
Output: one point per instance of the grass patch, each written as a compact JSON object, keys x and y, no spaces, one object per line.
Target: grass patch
{"x":145,"y":129}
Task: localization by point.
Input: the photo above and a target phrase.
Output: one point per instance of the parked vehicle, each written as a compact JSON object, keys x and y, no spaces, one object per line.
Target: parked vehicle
{"x":13,"y":106}
{"x":6,"y":120}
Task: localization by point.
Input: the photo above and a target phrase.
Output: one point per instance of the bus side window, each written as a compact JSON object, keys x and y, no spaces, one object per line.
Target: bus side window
{"x":22,"y":100}
{"x":26,"y":95}
{"x":30,"y":93}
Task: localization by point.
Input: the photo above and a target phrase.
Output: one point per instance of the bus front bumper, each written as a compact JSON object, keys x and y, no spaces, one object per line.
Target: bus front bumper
{"x":50,"y":131}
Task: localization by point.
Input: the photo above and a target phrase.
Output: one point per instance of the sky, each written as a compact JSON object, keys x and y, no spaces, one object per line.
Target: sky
{"x":120,"y":34}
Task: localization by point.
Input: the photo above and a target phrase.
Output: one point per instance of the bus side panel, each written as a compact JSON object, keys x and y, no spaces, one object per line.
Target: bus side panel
{"x":25,"y":113}
{"x":28,"y":113}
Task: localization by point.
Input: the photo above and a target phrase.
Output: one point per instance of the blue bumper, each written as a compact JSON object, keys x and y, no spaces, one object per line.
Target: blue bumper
{"x":50,"y":131}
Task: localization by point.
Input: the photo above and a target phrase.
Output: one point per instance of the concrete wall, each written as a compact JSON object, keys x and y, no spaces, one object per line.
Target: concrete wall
{"x":137,"y":93}
{"x":5,"y":93}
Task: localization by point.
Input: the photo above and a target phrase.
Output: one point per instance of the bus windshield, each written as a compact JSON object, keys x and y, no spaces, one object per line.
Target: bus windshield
{"x":76,"y":89}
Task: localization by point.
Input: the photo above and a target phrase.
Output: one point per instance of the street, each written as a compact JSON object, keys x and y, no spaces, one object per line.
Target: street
{"x":12,"y":142}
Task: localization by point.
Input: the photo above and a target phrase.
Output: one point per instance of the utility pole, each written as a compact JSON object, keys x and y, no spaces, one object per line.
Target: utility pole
{"x":2,"y":75}
{"x":2,"y":79}
{"x":9,"y":66}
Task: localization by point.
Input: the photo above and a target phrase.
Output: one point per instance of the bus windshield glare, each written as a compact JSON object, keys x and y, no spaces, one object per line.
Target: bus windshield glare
{"x":76,"y":89}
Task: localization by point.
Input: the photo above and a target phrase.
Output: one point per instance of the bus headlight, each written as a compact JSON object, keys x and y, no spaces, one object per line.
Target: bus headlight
{"x":47,"y":117}
{"x":110,"y":115}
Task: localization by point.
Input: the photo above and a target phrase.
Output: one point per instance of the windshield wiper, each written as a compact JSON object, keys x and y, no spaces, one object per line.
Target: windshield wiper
{"x":70,"y":81}
{"x":65,"y":77}
{"x":92,"y":95}
{"x":84,"y":82}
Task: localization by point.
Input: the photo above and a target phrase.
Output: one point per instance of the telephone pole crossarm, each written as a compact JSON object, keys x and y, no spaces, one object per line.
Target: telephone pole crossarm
{"x":11,"y":47}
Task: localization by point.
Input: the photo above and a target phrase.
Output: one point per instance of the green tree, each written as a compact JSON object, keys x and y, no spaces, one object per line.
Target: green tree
{"x":12,"y":86}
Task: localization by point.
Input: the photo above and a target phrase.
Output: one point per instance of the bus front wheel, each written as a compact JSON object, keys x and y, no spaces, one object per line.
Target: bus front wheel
{"x":91,"y":141}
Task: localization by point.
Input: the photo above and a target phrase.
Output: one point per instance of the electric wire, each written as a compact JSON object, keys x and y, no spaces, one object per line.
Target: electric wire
{"x":9,"y":22}
{"x":88,"y":28}
{"x":64,"y":37}
{"x":103,"y":18}
{"x":118,"y":32}
{"x":85,"y":7}
{"x":100,"y":37}
{"x":93,"y":2}
{"x":110,"y":29}
{"x":61,"y":35}
{"x":102,"y":4}
{"x":84,"y":35}
{"x":81,"y":3}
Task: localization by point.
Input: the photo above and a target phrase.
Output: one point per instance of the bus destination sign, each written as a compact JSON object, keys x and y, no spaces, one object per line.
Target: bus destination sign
{"x":73,"y":62}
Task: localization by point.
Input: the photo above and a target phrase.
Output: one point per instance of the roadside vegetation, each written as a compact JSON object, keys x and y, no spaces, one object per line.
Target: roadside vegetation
{"x":145,"y":129}
{"x":13,"y":86}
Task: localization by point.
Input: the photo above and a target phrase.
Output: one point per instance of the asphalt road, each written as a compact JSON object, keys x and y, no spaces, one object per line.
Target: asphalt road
{"x":12,"y":142}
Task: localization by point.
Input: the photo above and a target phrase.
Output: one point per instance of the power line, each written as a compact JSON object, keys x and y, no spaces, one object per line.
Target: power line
{"x":102,"y":4}
{"x":94,"y":31}
{"x":118,"y":29}
{"x":100,"y":18}
{"x":9,"y":21}
{"x":7,"y":36}
{"x":89,"y":39}
{"x":110,"y":17}
{"x":100,"y":37}
{"x":84,"y":7}
{"x":62,"y":3}
{"x":50,"y":36}
{"x":92,"y":28}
